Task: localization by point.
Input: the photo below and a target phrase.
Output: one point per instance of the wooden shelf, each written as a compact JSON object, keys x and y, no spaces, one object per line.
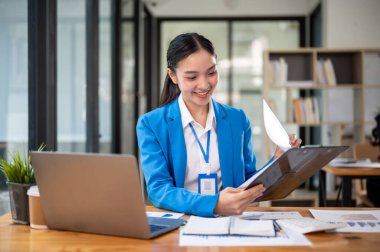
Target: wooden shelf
{"x":349,"y":98}
{"x":318,"y":86}
{"x":322,"y":124}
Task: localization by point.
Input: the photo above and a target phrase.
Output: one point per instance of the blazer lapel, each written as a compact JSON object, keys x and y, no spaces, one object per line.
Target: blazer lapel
{"x":225,"y":144}
{"x":177,"y":143}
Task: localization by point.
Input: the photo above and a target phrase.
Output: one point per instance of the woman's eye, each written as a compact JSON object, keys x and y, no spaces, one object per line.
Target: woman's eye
{"x":212,"y":73}
{"x":191,"y":77}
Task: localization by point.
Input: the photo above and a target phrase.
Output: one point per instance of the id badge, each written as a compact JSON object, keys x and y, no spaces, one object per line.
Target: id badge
{"x":208,"y":184}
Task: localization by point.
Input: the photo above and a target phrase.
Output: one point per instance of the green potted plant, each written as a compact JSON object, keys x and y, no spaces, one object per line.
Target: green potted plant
{"x":20,"y":177}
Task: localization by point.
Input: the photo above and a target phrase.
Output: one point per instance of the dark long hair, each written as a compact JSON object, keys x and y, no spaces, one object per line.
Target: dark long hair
{"x":180,"y":48}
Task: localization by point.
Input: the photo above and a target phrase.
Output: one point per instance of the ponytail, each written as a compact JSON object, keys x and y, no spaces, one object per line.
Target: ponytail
{"x":170,"y":91}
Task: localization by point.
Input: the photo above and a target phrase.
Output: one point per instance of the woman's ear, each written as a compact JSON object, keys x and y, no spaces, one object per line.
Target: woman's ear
{"x":172,"y":76}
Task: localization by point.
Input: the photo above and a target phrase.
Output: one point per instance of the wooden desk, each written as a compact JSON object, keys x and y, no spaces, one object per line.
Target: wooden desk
{"x":347,"y":174}
{"x":22,"y":238}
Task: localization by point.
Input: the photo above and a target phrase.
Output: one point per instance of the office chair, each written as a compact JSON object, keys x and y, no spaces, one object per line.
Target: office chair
{"x":363,"y":151}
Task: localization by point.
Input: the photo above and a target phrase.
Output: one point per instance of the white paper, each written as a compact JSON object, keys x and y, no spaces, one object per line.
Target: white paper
{"x":274,"y":129}
{"x":169,"y":215}
{"x":252,"y":227}
{"x":357,"y":221}
{"x":287,"y":238}
{"x":211,"y":226}
{"x":275,"y":215}
{"x":344,"y":162}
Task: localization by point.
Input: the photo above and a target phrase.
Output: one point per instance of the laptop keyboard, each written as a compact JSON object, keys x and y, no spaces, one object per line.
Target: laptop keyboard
{"x":155,"y":228}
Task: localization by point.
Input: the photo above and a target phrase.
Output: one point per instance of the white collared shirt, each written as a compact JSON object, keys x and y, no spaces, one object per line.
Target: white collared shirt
{"x":194,"y":154}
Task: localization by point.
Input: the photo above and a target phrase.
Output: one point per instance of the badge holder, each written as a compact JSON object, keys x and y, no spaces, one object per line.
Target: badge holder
{"x":208,"y":182}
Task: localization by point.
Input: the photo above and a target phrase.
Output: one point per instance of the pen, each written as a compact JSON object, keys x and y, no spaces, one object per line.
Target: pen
{"x":277,"y":227}
{"x":250,"y":216}
{"x":167,"y":215}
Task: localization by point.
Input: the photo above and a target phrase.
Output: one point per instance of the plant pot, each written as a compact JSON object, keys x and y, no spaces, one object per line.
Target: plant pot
{"x":19,"y":202}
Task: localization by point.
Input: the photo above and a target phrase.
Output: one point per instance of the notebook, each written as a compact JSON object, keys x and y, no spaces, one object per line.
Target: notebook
{"x":95,"y":193}
{"x":228,"y":226}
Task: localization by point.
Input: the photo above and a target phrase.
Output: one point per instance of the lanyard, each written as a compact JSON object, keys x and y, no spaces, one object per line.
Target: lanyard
{"x":205,"y":155}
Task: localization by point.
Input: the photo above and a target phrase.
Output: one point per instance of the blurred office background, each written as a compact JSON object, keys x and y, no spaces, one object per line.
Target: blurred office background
{"x":76,"y":74}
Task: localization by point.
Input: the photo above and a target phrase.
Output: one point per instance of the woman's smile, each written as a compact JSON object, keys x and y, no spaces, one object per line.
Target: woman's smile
{"x":203,"y":93}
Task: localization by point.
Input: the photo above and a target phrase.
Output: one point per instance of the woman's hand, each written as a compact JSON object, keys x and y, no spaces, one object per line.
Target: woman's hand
{"x":294,"y":142}
{"x":233,"y":201}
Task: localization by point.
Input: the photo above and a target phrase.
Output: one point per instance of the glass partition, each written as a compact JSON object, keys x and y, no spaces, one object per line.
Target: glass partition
{"x":105,"y":90}
{"x":128,"y":89}
{"x":249,"y":40}
{"x":71,"y":75}
{"x":13,"y":85}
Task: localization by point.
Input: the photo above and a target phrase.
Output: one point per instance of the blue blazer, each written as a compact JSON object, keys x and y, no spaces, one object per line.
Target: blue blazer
{"x":163,"y":156}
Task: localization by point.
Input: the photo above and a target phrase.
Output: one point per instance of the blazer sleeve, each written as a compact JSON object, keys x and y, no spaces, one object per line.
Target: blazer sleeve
{"x":160,"y":182}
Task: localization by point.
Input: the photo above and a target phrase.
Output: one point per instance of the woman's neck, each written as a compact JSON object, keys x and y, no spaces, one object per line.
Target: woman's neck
{"x":199,"y":113}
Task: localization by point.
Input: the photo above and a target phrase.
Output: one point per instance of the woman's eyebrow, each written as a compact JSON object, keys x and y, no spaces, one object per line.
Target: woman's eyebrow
{"x":195,"y":72}
{"x":213,"y":66}
{"x":190,"y":72}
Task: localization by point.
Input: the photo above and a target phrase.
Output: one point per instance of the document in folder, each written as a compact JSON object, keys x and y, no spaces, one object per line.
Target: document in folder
{"x":292,"y":168}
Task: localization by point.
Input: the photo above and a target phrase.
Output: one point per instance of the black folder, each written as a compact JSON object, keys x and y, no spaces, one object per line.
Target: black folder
{"x":292,"y":169}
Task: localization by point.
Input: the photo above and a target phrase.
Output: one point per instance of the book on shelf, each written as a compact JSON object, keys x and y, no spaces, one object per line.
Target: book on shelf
{"x":321,"y":80}
{"x":329,"y":72}
{"x":309,"y":111}
{"x":325,"y":72}
{"x":279,"y":71}
{"x":316,"y":111}
{"x":228,"y":226}
{"x":297,"y":111}
{"x":306,"y":110}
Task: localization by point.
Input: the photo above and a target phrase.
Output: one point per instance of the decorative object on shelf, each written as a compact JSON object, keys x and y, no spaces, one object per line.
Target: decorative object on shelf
{"x":20,"y":177}
{"x":373,"y":184}
{"x":375,"y":139}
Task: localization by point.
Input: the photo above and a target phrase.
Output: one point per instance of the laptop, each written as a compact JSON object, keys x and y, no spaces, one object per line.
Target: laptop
{"x":95,"y":193}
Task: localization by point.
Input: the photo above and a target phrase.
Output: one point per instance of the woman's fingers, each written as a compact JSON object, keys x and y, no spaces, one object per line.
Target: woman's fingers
{"x":294,"y":141}
{"x":254,"y":192}
{"x":233,"y":201}
{"x":298,"y":143}
{"x":247,"y":196}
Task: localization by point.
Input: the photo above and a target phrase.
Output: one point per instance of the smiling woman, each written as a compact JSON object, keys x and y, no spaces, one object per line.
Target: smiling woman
{"x":195,"y":151}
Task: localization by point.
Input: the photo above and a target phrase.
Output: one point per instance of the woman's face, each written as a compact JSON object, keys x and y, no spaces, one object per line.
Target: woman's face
{"x":196,"y":77}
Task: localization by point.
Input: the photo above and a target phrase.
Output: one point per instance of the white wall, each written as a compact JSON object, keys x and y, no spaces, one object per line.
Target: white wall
{"x":226,"y":8}
{"x":351,"y":23}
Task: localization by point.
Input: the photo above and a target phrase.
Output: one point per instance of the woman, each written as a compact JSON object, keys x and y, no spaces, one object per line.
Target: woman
{"x":192,"y":146}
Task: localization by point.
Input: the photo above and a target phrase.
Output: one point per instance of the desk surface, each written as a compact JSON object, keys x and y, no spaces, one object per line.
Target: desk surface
{"x":22,"y":238}
{"x":352,"y":171}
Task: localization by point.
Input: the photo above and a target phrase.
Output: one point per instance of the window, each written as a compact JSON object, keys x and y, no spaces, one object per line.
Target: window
{"x":13,"y":79}
{"x":71,"y":75}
